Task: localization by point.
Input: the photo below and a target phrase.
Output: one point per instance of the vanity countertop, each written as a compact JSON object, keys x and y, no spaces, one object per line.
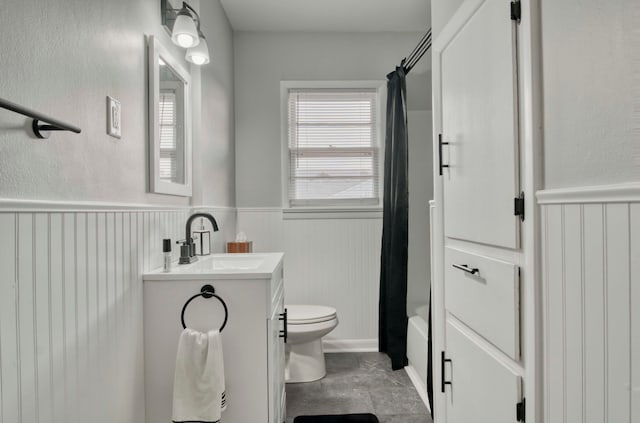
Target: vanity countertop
{"x":222,"y":266}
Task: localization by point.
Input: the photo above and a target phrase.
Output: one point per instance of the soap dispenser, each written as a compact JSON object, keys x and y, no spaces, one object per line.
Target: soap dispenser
{"x":203,"y":240}
{"x":166,"y":251}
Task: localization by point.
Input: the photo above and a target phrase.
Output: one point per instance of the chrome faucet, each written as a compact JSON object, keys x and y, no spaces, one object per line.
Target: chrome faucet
{"x":187,"y":249}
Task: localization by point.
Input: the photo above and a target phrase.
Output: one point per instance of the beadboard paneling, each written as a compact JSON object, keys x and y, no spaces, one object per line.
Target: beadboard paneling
{"x":591,"y":292}
{"x":328,"y":261}
{"x":336,"y":262}
{"x":71,"y":309}
{"x":634,"y":299}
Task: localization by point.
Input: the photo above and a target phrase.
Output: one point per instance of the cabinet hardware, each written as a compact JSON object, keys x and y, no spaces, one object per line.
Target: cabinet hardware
{"x":521,"y":410}
{"x":284,"y":333}
{"x":465,"y":268}
{"x":443,"y":360}
{"x":440,"y":144}
{"x":516,"y":11}
{"x":518,"y":206}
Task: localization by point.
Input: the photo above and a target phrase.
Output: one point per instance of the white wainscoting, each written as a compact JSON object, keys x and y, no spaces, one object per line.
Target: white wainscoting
{"x":333,"y":261}
{"x":71,"y":307}
{"x":591,"y":304}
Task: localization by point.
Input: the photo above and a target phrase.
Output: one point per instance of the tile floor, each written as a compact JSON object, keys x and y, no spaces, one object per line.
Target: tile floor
{"x":359,"y":383}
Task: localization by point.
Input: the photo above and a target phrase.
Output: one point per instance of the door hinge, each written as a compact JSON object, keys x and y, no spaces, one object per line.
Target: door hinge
{"x":516,"y":11}
{"x":521,"y":410}
{"x":518,"y":206}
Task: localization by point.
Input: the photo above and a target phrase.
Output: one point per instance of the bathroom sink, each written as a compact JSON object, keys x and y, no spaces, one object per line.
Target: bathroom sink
{"x":227,"y":266}
{"x":233,"y":263}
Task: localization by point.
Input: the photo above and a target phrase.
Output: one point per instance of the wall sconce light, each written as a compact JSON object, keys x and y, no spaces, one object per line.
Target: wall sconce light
{"x":199,"y":54}
{"x":184,"y":27}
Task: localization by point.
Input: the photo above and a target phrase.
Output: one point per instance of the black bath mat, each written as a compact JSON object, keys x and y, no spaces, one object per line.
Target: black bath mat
{"x":342,"y":418}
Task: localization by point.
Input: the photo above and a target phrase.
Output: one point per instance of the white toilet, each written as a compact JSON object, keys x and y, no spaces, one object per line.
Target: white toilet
{"x":306,"y":325}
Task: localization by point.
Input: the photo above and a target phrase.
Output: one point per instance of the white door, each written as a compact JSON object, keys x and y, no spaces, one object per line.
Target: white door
{"x":479,"y":123}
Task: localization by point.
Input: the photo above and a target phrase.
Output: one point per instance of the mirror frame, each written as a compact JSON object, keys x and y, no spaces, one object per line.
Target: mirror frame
{"x":156,"y":51}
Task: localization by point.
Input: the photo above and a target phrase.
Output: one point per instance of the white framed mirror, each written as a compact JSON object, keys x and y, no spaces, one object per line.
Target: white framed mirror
{"x":170,"y":153}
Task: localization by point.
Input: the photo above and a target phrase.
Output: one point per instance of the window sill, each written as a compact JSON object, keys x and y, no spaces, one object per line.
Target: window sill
{"x":332,"y":213}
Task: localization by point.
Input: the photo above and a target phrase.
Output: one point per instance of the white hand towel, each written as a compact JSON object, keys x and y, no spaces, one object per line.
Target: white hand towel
{"x":198,"y":387}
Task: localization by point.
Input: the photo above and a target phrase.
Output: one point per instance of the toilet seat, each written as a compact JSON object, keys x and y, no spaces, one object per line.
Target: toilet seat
{"x":309,"y":314}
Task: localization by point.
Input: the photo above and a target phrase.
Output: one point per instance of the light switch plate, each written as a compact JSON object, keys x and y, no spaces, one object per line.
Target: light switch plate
{"x":114,"y":117}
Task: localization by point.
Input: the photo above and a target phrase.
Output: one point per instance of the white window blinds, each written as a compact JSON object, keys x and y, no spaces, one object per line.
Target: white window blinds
{"x":168,"y":136}
{"x":333,"y":147}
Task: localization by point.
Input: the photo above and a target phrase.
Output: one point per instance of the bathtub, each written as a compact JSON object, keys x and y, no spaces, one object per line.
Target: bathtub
{"x":417,"y":347}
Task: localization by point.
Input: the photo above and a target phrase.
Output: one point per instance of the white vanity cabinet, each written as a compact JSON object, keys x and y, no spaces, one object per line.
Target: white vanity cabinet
{"x":276,"y":357}
{"x":252,"y":287}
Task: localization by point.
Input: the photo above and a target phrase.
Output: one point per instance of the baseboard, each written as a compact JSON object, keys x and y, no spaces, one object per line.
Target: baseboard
{"x":417,"y":383}
{"x":349,"y":345}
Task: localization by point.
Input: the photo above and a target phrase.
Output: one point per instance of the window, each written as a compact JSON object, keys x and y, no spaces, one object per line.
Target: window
{"x":170,"y":165}
{"x":333,"y":149}
{"x":168,"y":132}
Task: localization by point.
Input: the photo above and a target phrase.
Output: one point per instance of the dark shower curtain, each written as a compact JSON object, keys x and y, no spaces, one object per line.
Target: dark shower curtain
{"x":392,"y":326}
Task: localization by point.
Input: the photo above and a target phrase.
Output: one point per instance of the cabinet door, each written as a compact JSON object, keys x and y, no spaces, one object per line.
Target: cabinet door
{"x":479,"y":121}
{"x":488,"y":300}
{"x":276,"y":363}
{"x":482,"y":389}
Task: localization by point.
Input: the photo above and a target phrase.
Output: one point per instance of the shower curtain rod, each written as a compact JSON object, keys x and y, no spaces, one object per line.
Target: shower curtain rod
{"x":414,"y":57}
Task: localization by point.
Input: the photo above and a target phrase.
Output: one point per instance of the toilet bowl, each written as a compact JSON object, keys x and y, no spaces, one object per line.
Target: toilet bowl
{"x":306,"y":325}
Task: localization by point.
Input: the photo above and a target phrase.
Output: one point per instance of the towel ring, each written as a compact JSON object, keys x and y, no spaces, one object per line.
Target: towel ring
{"x":207,"y":291}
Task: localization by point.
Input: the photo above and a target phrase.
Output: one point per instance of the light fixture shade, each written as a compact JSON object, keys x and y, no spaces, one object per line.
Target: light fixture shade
{"x":199,"y":55}
{"x":185,"y":33}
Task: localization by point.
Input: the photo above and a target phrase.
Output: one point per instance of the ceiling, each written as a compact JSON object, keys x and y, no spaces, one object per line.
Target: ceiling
{"x":328,"y":15}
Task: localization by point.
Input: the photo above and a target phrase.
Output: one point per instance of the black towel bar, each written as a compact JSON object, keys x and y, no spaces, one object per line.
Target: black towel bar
{"x":41,"y":131}
{"x":207,"y":291}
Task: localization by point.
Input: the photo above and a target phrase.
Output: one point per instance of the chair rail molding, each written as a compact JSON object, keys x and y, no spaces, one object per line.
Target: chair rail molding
{"x":22,"y":205}
{"x":616,"y":193}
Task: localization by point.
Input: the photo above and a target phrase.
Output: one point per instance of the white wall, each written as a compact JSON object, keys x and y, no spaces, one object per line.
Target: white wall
{"x":216,"y":152}
{"x":328,"y":260}
{"x":70,"y":290}
{"x":263,"y":59}
{"x":591,"y":68}
{"x":63,"y":58}
{"x":441,"y":12}
{"x":420,"y":192}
